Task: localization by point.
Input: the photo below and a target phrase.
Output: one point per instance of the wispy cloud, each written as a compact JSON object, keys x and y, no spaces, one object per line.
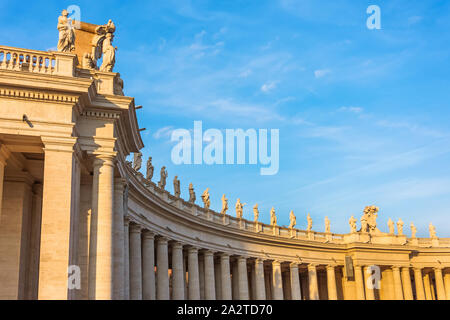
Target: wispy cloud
{"x":268,"y":86}
{"x":163,"y":132}
{"x":321,"y":73}
{"x":356,"y":110}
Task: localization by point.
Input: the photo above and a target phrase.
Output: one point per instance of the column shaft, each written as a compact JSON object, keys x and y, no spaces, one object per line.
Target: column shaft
{"x":260,"y":288}
{"x":118,"y":240}
{"x":447,"y":284}
{"x":277,"y":281}
{"x":331,"y":283}
{"x":225,"y":276}
{"x":194,"y":281}
{"x":177,"y":272}
{"x":126,"y":259}
{"x":162,"y":269}
{"x":398,"y":289}
{"x":313,"y":284}
{"x":135,"y":263}
{"x":359,"y":280}
{"x":295,"y":282}
{"x":210,"y":282}
{"x":148,"y":266}
{"x":243,"y":279}
{"x":427,"y":286}
{"x":370,"y":292}
{"x":4,"y":154}
{"x":407,"y":287}
{"x":440,"y":287}
{"x":418,"y":279}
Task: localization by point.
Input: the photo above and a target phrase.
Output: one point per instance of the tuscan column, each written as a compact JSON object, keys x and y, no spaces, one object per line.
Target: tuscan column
{"x":57,"y":210}
{"x":359,"y":280}
{"x":218,"y":276}
{"x":407,"y":288}
{"x":101,"y":240}
{"x":126,"y":258}
{"x":194,"y":281}
{"x":397,"y":283}
{"x":277,"y":281}
{"x":331,"y":283}
{"x":201,"y":275}
{"x":243,"y":279}
{"x":135,"y":262}
{"x":118,"y":239}
{"x":225,"y":276}
{"x":148,"y":266}
{"x":313,"y":284}
{"x":210,"y":282}
{"x":447,"y":284}
{"x":427,"y":286}
{"x":162,"y":269}
{"x":418,"y":279}
{"x":177,"y":272}
{"x":370,"y":292}
{"x":259,"y":284}
{"x":4,"y":155}
{"x":440,"y":288}
{"x":295,"y":282}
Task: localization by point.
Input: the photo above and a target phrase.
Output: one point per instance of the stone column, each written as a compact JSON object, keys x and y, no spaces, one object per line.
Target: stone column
{"x":194,"y":281}
{"x":295,"y":282}
{"x":118,"y":239}
{"x":210,"y":282}
{"x":313,"y":284}
{"x":277,"y":281}
{"x":447,"y":284}
{"x":177,"y":272}
{"x":407,"y":288}
{"x":397,"y":283}
{"x":162,"y":269}
{"x":135,"y":262}
{"x":148,"y":266}
{"x":359,"y":281}
{"x":57,"y":210}
{"x":243,"y":278}
{"x":218,"y":280}
{"x":259,"y":284}
{"x":418,"y":279}
{"x":370,"y":292}
{"x":225,"y":276}
{"x":201,"y":275}
{"x":440,"y":287}
{"x":126,"y":258}
{"x":331,"y":283}
{"x":427,"y":286}
{"x":4,"y":155}
{"x":101,"y":240}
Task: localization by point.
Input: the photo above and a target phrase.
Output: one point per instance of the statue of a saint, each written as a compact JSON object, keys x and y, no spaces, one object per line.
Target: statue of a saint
{"x":292,"y":220}
{"x":432,"y":230}
{"x":413,"y":230}
{"x":256,"y":213}
{"x":369,"y":220}
{"x":176,"y":187}
{"x":66,"y":42}
{"x":137,"y":161}
{"x":150,"y":169}
{"x":224,"y":205}
{"x":206,"y":199}
{"x":240,"y":209}
{"x":192,"y":196}
{"x":352,"y":223}
{"x":400,"y":227}
{"x":327,"y":225}
{"x":109,"y":54}
{"x":391,"y":226}
{"x":310,"y":223}
{"x":162,"y":181}
{"x":273,"y":217}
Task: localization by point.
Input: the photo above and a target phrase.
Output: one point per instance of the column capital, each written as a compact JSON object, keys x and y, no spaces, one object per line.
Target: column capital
{"x":162,"y":240}
{"x":59,"y":144}
{"x":438,"y":268}
{"x":126,"y":221}
{"x":135,"y":228}
{"x":208,"y":252}
{"x":149,"y":235}
{"x":240,"y":258}
{"x":4,"y":154}
{"x":417,"y":269}
{"x":259,"y":260}
{"x":312,"y":266}
{"x":276,"y":262}
{"x":395,"y":268}
{"x":103,"y":160}
{"x":293,"y":265}
{"x":331,"y":266}
{"x":119,"y":182}
{"x":193,"y":250}
{"x":224,"y":255}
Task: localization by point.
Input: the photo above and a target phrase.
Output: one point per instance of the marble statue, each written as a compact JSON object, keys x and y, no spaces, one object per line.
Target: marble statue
{"x":224,"y":205}
{"x":369,"y":220}
{"x":273,"y":217}
{"x":176,"y":187}
{"x":240,"y":209}
{"x":432,"y":230}
{"x":400,"y":225}
{"x":352,"y":223}
{"x":109,"y":53}
{"x":192,"y":196}
{"x":206,"y":199}
{"x":150,"y":169}
{"x":413,"y":230}
{"x":310,"y":223}
{"x":137,"y":161}
{"x":162,"y":181}
{"x":391,"y":226}
{"x":256,"y":213}
{"x":327,"y":225}
{"x":293,"y":220}
{"x":66,"y":42}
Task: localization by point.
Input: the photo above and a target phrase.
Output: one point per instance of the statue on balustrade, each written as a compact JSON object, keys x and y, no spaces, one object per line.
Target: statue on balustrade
{"x":137,"y":161}
{"x":109,"y":53}
{"x":310,"y":223}
{"x":369,"y":220}
{"x":256,"y":213}
{"x":150,"y":169}
{"x":192,"y":196}
{"x":163,"y":178}
{"x":400,"y":225}
{"x":432,"y":230}
{"x":66,"y":42}
{"x":240,"y":209}
{"x":391,"y":226}
{"x":206,"y":199}
{"x":327,"y":225}
{"x":292,"y":220}
{"x":224,"y":205}
{"x":176,"y":187}
{"x":352,"y":223}
{"x":413,"y":230}
{"x":273,"y":217}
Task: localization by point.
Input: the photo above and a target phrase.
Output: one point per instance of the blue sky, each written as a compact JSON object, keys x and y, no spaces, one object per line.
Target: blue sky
{"x":363,"y":114}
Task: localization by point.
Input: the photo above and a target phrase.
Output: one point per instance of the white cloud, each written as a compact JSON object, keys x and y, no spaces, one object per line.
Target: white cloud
{"x":245,"y":73}
{"x":163,"y":132}
{"x":269,"y":86}
{"x":351,"y":109}
{"x":321,"y":73}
